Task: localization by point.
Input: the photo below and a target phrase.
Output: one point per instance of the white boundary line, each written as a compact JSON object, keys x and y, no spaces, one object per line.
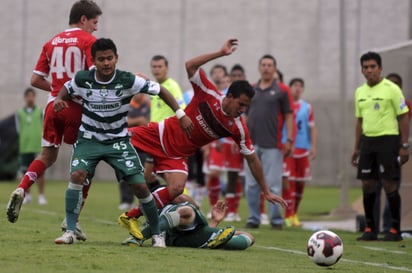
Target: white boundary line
{"x":404,"y":269}
{"x":52,"y":213}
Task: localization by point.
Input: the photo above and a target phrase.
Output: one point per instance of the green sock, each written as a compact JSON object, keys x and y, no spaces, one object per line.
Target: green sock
{"x":150,"y":211}
{"x":74,"y":198}
{"x":238,"y":242}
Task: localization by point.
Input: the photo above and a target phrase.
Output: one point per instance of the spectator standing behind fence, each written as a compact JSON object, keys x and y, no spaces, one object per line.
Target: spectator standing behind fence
{"x":29,"y":126}
{"x":269,"y":109}
{"x":381,"y":143}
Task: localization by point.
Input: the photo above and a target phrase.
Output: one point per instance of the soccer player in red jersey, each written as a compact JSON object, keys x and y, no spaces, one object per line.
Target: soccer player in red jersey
{"x":214,"y":116}
{"x":61,"y":57}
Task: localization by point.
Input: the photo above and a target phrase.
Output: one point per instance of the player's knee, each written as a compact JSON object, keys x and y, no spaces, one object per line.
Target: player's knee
{"x":187,"y":215}
{"x":176,"y":190}
{"x":389,"y":186}
{"x":78,"y":177}
{"x":48,"y":156}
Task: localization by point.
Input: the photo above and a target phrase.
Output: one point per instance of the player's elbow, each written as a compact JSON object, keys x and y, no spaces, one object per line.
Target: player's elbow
{"x":190,"y":68}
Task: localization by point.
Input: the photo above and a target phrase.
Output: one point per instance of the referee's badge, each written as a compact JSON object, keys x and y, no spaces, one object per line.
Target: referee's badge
{"x":376,"y":107}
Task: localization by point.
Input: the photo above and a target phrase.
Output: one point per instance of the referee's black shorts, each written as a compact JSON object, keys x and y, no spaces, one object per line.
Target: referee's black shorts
{"x":378,"y":158}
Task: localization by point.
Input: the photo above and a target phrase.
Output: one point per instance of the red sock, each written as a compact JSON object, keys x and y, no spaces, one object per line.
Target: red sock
{"x":161,"y":197}
{"x":262,"y":204}
{"x":288,"y":195}
{"x":230,"y":200}
{"x":35,"y":170}
{"x":213,"y":187}
{"x":300,"y":186}
{"x":238,"y":194}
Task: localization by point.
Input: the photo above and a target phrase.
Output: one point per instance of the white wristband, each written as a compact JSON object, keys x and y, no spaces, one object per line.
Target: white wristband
{"x":180,"y":113}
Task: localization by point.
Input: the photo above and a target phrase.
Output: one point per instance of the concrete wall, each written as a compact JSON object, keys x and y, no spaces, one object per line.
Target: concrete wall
{"x":302,"y":35}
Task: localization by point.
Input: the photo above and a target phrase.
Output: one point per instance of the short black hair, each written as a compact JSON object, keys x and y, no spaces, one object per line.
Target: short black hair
{"x":241,"y":87}
{"x":28,"y":91}
{"x":87,"y":8}
{"x":397,"y":77}
{"x":268,"y":56}
{"x":219,"y":66}
{"x":371,"y":56}
{"x":159,"y":58}
{"x":102,"y":44}
{"x":237,"y":67}
{"x":295,"y":80}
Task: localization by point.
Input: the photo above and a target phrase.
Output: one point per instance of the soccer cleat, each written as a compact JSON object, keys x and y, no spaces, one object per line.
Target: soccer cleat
{"x":14,"y":205}
{"x":131,"y":224}
{"x":132,"y":241}
{"x":368,"y":235}
{"x":67,"y":238}
{"x":230,"y":217}
{"x":125,"y":206}
{"x":80,"y":235}
{"x":289,"y":221}
{"x":295,"y":221}
{"x":392,"y":236}
{"x":42,"y":200}
{"x":158,"y":240}
{"x":221,"y":237}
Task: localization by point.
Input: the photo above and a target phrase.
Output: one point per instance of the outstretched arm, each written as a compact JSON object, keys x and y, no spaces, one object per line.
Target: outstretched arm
{"x":193,"y":64}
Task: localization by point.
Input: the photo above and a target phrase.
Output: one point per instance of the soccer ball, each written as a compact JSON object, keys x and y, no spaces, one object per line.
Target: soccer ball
{"x":325,"y":248}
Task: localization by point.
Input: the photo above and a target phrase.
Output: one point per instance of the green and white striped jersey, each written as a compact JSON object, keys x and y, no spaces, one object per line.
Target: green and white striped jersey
{"x":105,"y":104}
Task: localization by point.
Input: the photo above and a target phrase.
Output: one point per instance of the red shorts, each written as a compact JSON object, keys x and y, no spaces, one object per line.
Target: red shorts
{"x":301,"y":171}
{"x":63,"y":125}
{"x":233,"y":157}
{"x":216,"y":158}
{"x":147,"y":139}
{"x":297,"y":169}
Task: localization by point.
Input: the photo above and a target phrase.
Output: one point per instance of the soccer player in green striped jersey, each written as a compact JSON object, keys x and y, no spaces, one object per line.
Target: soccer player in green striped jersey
{"x":106,"y":93}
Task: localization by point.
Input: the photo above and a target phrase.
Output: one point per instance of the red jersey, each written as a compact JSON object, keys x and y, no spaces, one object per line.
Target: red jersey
{"x":210,"y":122}
{"x":64,"y":55}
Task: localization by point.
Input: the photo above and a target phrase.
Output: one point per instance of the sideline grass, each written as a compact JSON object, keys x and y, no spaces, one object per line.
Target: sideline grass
{"x":27,"y":246}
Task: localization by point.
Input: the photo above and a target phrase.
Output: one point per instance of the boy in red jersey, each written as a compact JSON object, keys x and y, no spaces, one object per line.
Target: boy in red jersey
{"x":214,"y":116}
{"x":61,"y":57}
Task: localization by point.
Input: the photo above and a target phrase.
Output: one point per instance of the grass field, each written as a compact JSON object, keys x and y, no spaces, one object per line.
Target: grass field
{"x":27,"y":246}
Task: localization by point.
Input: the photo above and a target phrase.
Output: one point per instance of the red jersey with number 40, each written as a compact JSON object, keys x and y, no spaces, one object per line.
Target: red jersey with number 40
{"x":210,"y":122}
{"x":64,"y":55}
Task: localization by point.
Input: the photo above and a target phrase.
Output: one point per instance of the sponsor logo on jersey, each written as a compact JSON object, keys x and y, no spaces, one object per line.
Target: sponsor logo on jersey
{"x":118,"y":86}
{"x":59,"y":40}
{"x":105,"y":107}
{"x":206,"y":127}
{"x":104,"y":92}
{"x":89,"y":84}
